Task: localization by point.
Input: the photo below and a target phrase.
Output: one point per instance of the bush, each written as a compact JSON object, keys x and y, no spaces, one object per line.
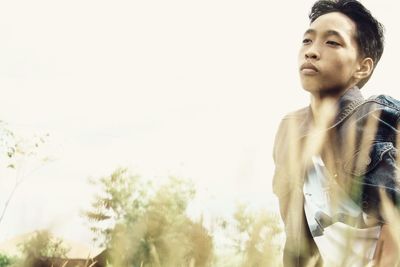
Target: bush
{"x":6,"y":260}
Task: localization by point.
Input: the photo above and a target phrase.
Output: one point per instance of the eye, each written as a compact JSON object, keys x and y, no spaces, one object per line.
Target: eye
{"x":306,"y":41}
{"x":333,"y":43}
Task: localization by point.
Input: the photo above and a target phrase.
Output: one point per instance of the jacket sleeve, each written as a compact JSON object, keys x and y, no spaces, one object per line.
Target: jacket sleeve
{"x":379,"y":183}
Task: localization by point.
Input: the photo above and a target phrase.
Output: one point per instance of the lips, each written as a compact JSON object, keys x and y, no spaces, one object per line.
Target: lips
{"x":308,"y":68}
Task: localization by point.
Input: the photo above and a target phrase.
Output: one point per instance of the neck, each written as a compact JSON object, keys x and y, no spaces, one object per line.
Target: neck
{"x":318,"y":98}
{"x":323,"y":107}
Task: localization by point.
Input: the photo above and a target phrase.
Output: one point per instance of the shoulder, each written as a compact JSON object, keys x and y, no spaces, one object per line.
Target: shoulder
{"x":294,"y":119}
{"x":379,"y":117}
{"x":384,"y":107}
{"x":388,"y":107}
{"x":297,"y":114}
{"x":291,"y":126}
{"x":385,"y":101}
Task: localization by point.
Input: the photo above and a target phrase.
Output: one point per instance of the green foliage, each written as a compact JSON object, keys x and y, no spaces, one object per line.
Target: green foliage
{"x":163,"y":235}
{"x":143,"y":225}
{"x":42,"y":245}
{"x":7,"y":144}
{"x":16,"y":155}
{"x":121,"y":196}
{"x":255,"y":238}
{"x":16,"y":148}
{"x":6,"y":260}
{"x":146,"y":225}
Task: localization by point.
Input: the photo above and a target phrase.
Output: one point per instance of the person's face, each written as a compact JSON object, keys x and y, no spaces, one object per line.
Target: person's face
{"x":328,"y":58}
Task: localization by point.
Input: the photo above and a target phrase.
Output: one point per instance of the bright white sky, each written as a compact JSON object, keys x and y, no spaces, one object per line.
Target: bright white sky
{"x":188,"y":88}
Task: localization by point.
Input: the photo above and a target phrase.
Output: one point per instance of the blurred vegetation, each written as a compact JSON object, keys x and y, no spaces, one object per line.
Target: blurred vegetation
{"x":257,"y":237}
{"x":35,"y":251}
{"x":141,"y":225}
{"x":41,"y":245}
{"x":252,"y":238}
{"x":6,"y":260}
{"x":19,"y":156}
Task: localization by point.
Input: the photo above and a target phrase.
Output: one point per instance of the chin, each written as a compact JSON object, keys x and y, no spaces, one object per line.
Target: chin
{"x":310,"y":88}
{"x":315,"y":90}
{"x":320,"y":92}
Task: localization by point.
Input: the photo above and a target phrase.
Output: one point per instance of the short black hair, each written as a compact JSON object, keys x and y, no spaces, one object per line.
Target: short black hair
{"x":369,"y":32}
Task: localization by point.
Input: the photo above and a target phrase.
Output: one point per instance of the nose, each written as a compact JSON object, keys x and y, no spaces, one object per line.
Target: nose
{"x":312,"y":53}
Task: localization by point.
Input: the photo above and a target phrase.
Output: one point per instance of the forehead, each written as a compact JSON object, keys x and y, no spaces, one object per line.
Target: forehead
{"x":337,"y":22}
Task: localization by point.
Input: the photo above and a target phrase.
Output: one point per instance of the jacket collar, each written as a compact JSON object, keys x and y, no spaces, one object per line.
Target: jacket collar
{"x":346,"y":104}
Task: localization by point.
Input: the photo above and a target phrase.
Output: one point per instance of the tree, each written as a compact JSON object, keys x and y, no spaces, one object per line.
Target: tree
{"x":6,"y":260}
{"x":42,"y":245}
{"x":149,"y":224}
{"x":164,"y":235}
{"x":15,"y":152}
{"x":119,"y":193}
{"x":255,"y":237}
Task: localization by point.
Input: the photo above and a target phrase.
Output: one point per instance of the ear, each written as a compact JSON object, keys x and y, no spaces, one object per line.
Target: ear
{"x":365,"y":68}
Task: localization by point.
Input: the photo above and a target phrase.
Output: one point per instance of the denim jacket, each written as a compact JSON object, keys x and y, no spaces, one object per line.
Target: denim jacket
{"x":360,"y":145}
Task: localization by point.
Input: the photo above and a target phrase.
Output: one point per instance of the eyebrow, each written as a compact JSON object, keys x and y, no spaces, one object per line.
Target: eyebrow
{"x":327,"y":33}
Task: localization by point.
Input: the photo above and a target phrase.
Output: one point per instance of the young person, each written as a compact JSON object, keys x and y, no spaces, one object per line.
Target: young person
{"x":335,"y":160}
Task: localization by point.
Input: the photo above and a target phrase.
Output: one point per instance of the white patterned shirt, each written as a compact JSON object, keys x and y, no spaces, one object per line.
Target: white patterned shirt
{"x":334,"y":220}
